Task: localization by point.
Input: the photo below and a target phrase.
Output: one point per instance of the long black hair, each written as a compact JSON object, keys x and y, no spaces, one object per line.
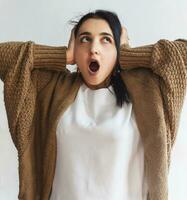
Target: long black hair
{"x":112,"y":19}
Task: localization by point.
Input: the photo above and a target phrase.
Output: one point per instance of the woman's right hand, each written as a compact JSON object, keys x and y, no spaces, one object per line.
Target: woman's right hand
{"x":124,"y":39}
{"x":70,"y":58}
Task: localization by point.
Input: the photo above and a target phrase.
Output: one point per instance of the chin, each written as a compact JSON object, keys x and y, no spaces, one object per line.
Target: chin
{"x":92,"y":83}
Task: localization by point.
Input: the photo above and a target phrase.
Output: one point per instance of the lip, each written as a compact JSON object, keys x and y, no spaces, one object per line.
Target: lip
{"x":94,"y":60}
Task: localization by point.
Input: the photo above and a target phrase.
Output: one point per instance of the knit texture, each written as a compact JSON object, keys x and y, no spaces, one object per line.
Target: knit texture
{"x":168,"y":60}
{"x":27,"y":69}
{"x":17,"y":86}
{"x":16,"y":64}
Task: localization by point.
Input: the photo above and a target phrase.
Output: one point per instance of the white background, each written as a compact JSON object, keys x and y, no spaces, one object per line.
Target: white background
{"x":46,"y":22}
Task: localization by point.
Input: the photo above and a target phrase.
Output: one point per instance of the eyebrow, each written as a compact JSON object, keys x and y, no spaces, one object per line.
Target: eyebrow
{"x":88,"y":33}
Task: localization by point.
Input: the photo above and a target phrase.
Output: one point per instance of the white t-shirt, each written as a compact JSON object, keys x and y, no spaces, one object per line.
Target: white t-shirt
{"x":100,"y":154}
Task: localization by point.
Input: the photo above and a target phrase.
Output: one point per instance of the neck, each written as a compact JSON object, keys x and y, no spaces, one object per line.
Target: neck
{"x":104,"y":84}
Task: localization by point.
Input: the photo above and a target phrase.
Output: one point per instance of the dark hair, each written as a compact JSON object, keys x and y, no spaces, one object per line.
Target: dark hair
{"x":112,"y":19}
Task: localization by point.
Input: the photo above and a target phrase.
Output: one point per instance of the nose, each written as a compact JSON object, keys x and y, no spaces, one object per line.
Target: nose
{"x":95,"y":49}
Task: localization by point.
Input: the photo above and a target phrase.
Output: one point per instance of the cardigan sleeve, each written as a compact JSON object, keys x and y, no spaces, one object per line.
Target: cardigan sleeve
{"x":49,"y":57}
{"x":21,"y":70}
{"x":43,"y":57}
{"x":47,"y":61}
{"x":168,"y":61}
{"x":9,"y":52}
{"x":147,"y":55}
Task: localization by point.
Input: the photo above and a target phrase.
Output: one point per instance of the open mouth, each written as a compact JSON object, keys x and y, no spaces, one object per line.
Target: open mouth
{"x":94,"y":66}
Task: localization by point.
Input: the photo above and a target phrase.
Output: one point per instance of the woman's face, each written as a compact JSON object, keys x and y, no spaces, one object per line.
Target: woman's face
{"x":95,"y":41}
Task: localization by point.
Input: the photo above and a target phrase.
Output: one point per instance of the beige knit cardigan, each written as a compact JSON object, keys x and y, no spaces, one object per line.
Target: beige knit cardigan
{"x":38,"y":88}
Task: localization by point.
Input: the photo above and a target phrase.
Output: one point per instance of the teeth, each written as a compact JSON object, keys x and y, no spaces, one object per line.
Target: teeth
{"x":94,"y":60}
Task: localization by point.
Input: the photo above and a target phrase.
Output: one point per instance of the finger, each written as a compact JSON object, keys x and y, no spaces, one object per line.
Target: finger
{"x":72,"y":39}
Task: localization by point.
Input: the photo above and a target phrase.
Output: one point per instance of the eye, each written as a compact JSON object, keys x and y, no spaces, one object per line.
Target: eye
{"x":85,"y":37}
{"x":107,"y":39}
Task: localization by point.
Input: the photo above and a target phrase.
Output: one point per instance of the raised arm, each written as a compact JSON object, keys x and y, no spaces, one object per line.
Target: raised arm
{"x":21,"y":71}
{"x":168,"y":61}
{"x":150,"y":56}
{"x":43,"y":56}
{"x":49,"y":57}
{"x":9,"y":52}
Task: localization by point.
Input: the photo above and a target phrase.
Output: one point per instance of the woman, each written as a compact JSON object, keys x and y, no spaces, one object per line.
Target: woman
{"x":103,"y":132}
{"x":98,"y":158}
